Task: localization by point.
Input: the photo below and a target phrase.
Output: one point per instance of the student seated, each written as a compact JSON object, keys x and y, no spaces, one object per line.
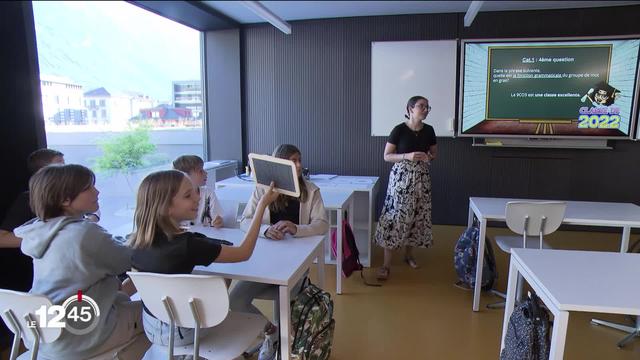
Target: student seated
{"x":299,"y":217}
{"x":12,"y":260}
{"x":165,"y":199}
{"x":71,"y":254}
{"x":209,"y":209}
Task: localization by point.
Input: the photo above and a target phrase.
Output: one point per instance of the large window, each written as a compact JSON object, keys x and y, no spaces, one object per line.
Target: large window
{"x":108,"y":75}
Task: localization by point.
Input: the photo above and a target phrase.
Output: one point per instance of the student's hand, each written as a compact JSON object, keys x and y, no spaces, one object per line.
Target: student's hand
{"x":417,"y":156}
{"x":430,"y":156}
{"x":217,"y":222}
{"x":273,"y":233}
{"x":286,"y":226}
{"x":269,"y":196}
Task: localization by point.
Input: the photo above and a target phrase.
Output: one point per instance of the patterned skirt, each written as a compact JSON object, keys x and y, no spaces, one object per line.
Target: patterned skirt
{"x":406,"y":215}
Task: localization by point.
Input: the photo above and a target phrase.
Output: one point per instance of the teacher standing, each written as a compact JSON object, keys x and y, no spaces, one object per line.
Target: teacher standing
{"x":406,"y":216}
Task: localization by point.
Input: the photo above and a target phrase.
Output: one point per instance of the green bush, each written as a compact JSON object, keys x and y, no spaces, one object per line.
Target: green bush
{"x":126,"y":152}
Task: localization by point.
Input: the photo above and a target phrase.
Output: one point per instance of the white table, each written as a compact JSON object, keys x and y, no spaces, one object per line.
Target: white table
{"x":568,"y":280}
{"x":624,"y":215}
{"x":281,"y":263}
{"x":365,"y":190}
{"x":334,"y":200}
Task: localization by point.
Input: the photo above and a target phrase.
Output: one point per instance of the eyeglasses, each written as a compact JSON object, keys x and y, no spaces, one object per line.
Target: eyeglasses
{"x":423,"y":107}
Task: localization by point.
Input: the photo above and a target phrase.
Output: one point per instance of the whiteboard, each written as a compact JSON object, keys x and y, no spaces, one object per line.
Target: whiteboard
{"x":402,"y":69}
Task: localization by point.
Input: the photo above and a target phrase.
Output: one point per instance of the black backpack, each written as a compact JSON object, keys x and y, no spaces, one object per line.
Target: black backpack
{"x":465,"y":258}
{"x":528,"y":331}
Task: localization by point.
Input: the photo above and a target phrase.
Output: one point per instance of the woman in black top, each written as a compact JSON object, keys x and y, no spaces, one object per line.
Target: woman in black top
{"x":406,"y":216}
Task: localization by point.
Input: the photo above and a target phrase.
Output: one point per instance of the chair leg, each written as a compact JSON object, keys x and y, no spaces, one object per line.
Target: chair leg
{"x":633,"y":331}
{"x":500,"y":305}
{"x":497,"y":305}
{"x":15,"y":347}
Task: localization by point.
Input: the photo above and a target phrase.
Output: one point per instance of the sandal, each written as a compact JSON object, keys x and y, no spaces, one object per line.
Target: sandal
{"x":411,"y":262}
{"x":383,"y":273}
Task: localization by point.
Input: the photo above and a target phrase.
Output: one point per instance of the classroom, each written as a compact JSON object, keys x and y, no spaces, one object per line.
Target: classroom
{"x":481,"y":156}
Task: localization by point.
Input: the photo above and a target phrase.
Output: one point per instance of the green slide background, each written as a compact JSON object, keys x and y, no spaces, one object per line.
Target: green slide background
{"x":588,"y":59}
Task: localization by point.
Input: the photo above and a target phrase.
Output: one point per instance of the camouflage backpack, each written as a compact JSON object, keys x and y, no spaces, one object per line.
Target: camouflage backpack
{"x":313,"y":323}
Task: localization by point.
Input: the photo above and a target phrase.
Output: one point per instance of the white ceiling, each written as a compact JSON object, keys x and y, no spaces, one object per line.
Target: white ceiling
{"x":300,"y":10}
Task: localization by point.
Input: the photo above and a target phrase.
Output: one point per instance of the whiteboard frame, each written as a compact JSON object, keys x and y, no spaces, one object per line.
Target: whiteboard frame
{"x":635,"y":114}
{"x":444,"y":125}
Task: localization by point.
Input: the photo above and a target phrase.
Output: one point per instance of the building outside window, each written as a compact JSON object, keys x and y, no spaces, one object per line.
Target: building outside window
{"x":116,"y":95}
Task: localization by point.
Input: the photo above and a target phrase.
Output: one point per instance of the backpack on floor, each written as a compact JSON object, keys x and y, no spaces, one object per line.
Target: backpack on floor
{"x":350,"y":253}
{"x":465,"y":258}
{"x":528,"y":331}
{"x":312,"y":323}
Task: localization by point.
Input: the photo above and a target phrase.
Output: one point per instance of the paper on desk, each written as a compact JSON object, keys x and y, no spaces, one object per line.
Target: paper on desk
{"x":353,"y":180}
{"x":322,"y":176}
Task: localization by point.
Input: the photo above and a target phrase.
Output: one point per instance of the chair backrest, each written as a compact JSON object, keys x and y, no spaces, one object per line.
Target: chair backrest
{"x":15,"y":306}
{"x":535,"y":218}
{"x":207,"y":293}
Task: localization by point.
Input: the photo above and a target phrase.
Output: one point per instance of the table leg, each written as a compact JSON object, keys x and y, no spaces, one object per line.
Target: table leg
{"x":480,"y":262}
{"x":285,"y":321}
{"x":339,"y":251}
{"x":512,"y":285}
{"x":320,"y":261}
{"x":370,"y":225}
{"x":626,"y":234}
{"x":350,"y":208}
{"x":470,"y":219}
{"x":559,"y":335}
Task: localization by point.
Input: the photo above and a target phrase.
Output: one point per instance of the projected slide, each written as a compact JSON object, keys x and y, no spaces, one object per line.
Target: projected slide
{"x":577,"y":88}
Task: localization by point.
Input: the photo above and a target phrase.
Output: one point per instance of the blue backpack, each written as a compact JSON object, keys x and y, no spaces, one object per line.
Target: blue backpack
{"x":465,"y":258}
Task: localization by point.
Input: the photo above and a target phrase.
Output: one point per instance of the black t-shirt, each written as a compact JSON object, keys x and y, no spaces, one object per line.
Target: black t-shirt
{"x":291,"y":212}
{"x":178,"y":255}
{"x":407,"y":140}
{"x":16,"y":268}
{"x":18,"y":214}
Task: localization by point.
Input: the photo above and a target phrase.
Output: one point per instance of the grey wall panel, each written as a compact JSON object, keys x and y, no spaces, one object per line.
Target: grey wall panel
{"x":509,"y":176}
{"x":313,"y":88}
{"x":223,"y":100}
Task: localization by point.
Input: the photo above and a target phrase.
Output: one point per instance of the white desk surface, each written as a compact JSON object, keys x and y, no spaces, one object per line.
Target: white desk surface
{"x":333,"y":198}
{"x":590,"y":281}
{"x":577,"y":213}
{"x":355,"y":183}
{"x":272,"y":262}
